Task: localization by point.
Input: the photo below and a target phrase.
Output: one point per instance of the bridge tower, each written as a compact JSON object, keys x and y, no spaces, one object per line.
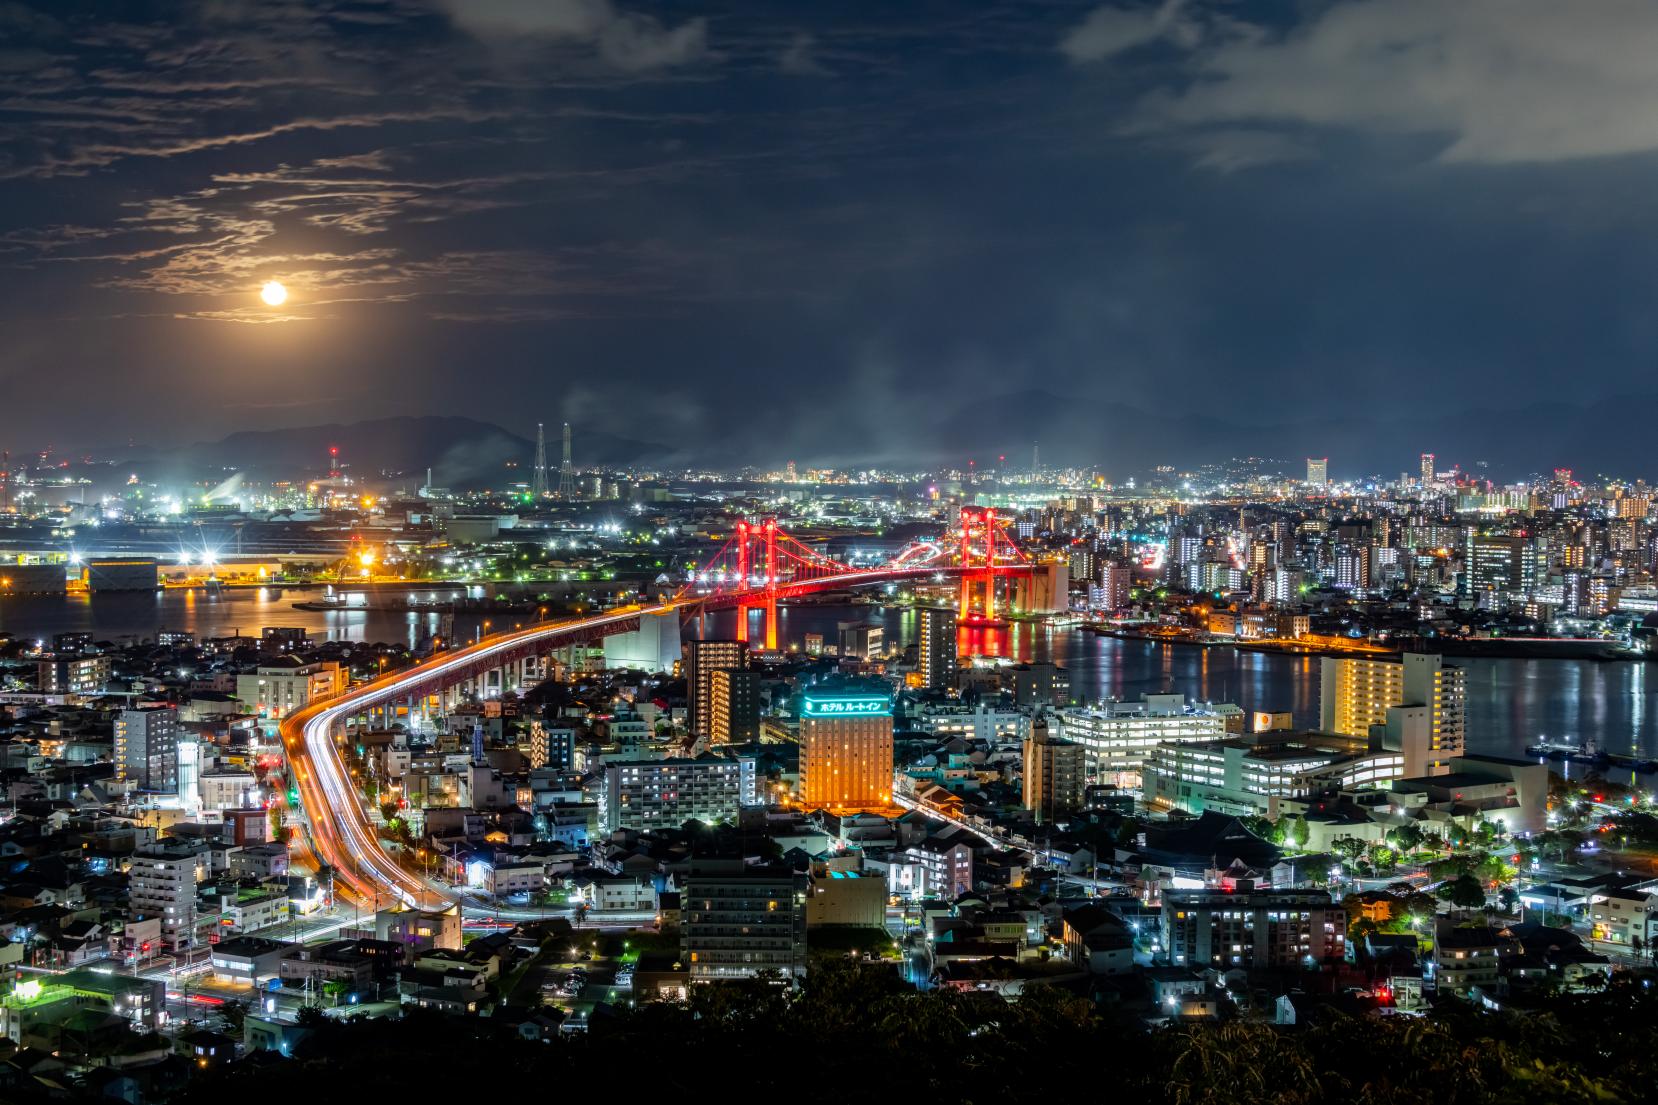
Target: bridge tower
{"x":978,"y":563}
{"x":742,"y":579}
{"x":771,"y":584}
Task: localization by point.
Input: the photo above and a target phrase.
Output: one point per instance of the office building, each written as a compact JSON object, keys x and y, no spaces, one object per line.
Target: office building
{"x":735,"y":709}
{"x":1496,"y":565}
{"x":1055,"y":773}
{"x":1427,"y":469}
{"x":1318,"y":471}
{"x":146,"y":749}
{"x":1119,"y":737}
{"x":1357,"y":693}
{"x":1251,"y":928}
{"x":162,"y":885}
{"x":1256,"y":775}
{"x":846,"y":746}
{"x":737,"y":921}
{"x":72,"y":674}
{"x":278,"y":688}
{"x":284,"y":638}
{"x":936,"y":648}
{"x":648,"y":795}
{"x":1039,"y":683}
{"x":862,"y":640}
{"x":701,"y":660}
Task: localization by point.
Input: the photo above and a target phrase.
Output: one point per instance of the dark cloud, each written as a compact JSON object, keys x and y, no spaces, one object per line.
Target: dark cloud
{"x":849,"y":232}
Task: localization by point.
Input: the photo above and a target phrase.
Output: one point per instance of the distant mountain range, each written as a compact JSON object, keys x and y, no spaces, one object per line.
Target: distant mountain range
{"x":460,"y":451}
{"x":1120,"y":437}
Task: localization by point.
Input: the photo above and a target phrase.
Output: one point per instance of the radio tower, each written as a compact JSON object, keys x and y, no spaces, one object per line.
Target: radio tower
{"x":538,"y":485}
{"x":566,"y":470}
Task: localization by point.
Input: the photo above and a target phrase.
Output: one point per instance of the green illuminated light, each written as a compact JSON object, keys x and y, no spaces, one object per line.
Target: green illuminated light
{"x":861,"y":706}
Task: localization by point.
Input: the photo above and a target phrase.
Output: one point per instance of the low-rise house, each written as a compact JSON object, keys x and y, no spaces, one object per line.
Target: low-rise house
{"x":1097,"y":940}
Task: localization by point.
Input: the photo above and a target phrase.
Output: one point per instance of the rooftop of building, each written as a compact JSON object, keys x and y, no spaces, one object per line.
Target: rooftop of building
{"x":249,"y":946}
{"x":1452,"y":780}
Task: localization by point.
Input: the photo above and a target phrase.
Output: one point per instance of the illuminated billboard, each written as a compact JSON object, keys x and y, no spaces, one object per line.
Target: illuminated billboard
{"x":864,"y":705}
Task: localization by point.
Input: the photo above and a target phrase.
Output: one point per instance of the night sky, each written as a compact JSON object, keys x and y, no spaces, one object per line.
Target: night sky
{"x":841,"y":231}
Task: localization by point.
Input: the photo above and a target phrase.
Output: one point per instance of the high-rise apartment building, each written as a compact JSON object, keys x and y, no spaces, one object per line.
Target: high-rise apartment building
{"x":736,"y":921}
{"x":936,"y":649}
{"x":846,"y":758}
{"x":1116,"y":584}
{"x":1248,"y":927}
{"x":1055,"y":773}
{"x":735,"y":709}
{"x":162,"y":885}
{"x":1357,"y":693}
{"x":146,"y":749}
{"x":649,"y":795}
{"x":1427,"y":469}
{"x":72,"y":674}
{"x":702,"y":660}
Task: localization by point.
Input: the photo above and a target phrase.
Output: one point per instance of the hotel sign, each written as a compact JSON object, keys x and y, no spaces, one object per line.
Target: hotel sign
{"x":861,"y":706}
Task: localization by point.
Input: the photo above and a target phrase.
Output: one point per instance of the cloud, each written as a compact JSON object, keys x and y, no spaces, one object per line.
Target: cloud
{"x":1110,"y":31}
{"x":628,"y":41}
{"x":1229,"y":150}
{"x":1497,"y":81}
{"x":93,"y":156}
{"x":799,"y":57}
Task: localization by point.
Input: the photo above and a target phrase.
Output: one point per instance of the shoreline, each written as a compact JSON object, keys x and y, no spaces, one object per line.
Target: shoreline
{"x":1493,"y":649}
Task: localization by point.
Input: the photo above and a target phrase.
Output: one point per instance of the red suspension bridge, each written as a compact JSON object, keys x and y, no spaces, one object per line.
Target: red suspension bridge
{"x":756,"y":567}
{"x":760,"y":563}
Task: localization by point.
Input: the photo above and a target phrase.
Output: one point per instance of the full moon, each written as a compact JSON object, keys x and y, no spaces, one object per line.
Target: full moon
{"x":274,"y":293}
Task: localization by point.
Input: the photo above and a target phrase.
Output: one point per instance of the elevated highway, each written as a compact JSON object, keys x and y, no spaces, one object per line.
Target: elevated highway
{"x":343,"y":834}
